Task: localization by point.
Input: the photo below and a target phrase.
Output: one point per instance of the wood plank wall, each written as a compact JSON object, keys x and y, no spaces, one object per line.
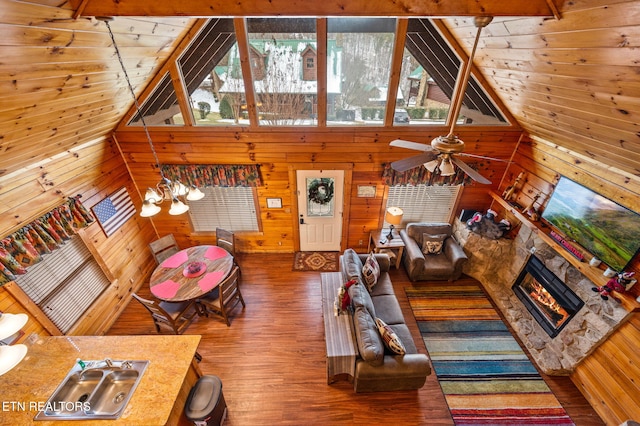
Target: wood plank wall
{"x":277,"y":150}
{"x":610,"y":377}
{"x":94,"y":171}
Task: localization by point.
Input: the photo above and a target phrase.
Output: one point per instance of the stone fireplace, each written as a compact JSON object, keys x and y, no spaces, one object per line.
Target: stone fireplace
{"x":498,"y":264}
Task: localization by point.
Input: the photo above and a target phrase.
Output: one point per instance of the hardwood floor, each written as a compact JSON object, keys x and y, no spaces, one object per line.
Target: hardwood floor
{"x":272,"y":359}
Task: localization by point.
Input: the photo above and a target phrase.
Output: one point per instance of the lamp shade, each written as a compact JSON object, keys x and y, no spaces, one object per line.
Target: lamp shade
{"x":195,"y":194}
{"x":446,"y":168}
{"x":393,"y":216}
{"x":149,"y":209}
{"x":432,"y":165}
{"x":177,"y":207}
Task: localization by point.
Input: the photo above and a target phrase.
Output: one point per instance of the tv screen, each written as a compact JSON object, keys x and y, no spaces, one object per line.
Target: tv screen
{"x":608,"y":230}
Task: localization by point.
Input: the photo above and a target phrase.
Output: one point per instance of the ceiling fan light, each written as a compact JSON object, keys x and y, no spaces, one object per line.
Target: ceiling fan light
{"x":446,"y":168}
{"x":431,"y":165}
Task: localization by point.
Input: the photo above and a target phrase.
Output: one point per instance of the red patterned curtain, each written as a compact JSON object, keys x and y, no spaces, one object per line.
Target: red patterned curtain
{"x":420,"y":175}
{"x":201,"y":175}
{"x":26,"y":246}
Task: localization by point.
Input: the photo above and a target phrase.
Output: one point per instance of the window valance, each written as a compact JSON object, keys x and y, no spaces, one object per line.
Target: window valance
{"x":26,"y":246}
{"x":420,"y":175}
{"x":202,"y":175}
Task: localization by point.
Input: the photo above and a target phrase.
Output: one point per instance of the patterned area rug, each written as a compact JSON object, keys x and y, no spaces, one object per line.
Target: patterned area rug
{"x":320,"y":261}
{"x":484,"y":374}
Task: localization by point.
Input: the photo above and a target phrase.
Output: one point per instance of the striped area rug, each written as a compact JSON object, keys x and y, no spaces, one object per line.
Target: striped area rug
{"x":486,"y":377}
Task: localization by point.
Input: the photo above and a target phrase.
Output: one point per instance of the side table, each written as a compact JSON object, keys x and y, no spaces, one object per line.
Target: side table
{"x":378,"y":243}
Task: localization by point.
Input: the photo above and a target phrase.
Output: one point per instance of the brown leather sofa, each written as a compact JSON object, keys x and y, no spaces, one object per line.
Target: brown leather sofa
{"x":377,"y":368}
{"x":420,"y":267}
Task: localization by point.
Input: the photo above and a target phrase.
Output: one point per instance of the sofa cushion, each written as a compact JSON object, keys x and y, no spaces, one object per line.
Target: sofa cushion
{"x":390,"y":338}
{"x":432,"y":244}
{"x":388,"y":309}
{"x":360,"y":298}
{"x":404,"y":334}
{"x":384,"y":286}
{"x":368,"y":338}
{"x":371,"y":272}
{"x":351,"y":265}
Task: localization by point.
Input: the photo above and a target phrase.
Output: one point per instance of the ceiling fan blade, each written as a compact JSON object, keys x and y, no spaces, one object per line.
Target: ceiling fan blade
{"x":411,"y":162}
{"x":469,"y":171}
{"x":410,"y":145}
{"x":484,"y":157}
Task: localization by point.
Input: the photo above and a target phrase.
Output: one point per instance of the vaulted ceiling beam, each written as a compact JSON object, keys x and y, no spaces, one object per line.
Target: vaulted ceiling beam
{"x":306,"y":8}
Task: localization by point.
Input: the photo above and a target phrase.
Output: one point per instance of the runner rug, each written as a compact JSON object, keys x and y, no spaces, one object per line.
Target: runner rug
{"x":321,"y":261}
{"x":484,"y":374}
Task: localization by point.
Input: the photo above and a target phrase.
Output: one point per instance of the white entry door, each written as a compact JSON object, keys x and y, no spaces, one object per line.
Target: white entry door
{"x":320,"y":201}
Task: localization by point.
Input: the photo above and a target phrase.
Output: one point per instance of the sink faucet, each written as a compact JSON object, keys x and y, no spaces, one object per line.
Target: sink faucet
{"x":96,"y":365}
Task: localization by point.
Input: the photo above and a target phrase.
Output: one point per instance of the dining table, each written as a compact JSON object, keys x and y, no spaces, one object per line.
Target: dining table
{"x":190,"y":273}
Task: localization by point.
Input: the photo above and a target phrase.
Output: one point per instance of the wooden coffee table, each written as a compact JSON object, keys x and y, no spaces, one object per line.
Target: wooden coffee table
{"x":378,"y":243}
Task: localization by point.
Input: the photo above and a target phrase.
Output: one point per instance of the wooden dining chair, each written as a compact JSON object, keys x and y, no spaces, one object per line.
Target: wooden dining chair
{"x":223,"y":298}
{"x":173,"y":316}
{"x":163,"y":248}
{"x":226,"y":240}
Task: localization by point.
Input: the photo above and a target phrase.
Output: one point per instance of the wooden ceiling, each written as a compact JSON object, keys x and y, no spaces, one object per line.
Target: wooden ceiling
{"x":568,"y":74}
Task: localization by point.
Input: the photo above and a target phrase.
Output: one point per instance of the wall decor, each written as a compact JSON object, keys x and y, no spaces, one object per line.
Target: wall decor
{"x":366,"y":191}
{"x":274,"y":203}
{"x":320,"y":196}
{"x":114,"y":211}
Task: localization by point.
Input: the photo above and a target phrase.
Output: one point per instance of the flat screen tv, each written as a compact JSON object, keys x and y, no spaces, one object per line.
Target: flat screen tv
{"x":608,"y":230}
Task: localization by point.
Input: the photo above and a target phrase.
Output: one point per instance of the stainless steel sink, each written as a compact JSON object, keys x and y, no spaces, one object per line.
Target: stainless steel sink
{"x":100,"y":390}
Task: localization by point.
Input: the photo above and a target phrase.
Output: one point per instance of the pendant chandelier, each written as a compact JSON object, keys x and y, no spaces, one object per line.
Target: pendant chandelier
{"x":166,"y":189}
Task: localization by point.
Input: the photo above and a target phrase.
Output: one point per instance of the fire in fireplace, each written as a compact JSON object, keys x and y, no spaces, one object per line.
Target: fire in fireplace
{"x":546,"y":297}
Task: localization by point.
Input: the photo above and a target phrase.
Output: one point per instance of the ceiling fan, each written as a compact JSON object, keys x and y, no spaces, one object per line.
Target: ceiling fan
{"x":444,"y":151}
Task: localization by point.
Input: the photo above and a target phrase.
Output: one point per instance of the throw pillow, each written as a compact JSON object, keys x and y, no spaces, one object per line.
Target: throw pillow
{"x":432,"y":244}
{"x":371,"y":271}
{"x":390,"y":338}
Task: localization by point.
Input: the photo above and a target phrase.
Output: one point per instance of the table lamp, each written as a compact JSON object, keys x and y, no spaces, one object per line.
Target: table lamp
{"x":393,"y":216}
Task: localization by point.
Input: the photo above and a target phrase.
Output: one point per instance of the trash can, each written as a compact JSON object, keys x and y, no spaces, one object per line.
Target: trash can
{"x":205,"y":404}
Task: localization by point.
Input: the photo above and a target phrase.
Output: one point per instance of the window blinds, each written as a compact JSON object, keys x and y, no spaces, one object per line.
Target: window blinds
{"x":231,"y":208}
{"x":422,"y":203}
{"x":65,"y":283}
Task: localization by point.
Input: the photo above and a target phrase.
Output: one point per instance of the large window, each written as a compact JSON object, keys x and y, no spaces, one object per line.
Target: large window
{"x":231,"y":208}
{"x":424,"y":203}
{"x":289,"y":90}
{"x":359,"y":53}
{"x":286,"y":91}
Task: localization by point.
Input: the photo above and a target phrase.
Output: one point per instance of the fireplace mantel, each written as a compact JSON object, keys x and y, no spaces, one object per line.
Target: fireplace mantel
{"x":594,"y":274}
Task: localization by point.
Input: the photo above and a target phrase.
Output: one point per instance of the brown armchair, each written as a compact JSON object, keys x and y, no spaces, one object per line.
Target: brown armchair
{"x":421,"y":267}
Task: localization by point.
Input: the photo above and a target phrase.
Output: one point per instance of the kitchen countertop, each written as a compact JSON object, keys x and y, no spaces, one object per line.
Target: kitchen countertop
{"x":49,"y":359}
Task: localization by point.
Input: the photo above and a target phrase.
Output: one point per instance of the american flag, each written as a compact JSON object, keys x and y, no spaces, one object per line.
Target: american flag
{"x":114,"y":211}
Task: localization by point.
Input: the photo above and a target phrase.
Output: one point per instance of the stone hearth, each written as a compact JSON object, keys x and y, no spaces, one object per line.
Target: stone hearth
{"x":497,"y":264}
